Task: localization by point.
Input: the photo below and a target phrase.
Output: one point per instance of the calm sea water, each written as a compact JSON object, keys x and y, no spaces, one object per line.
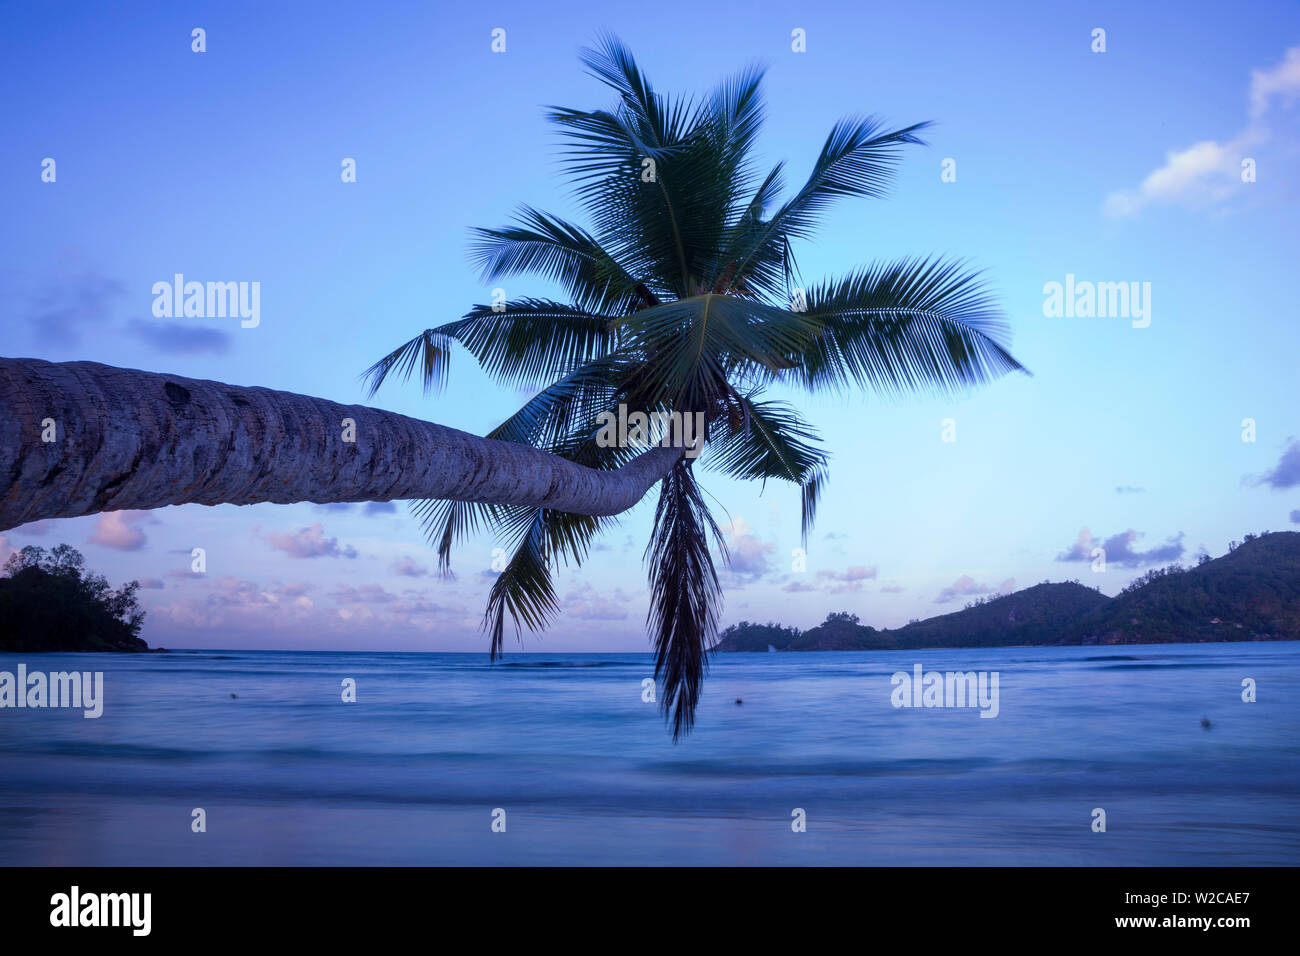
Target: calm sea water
{"x":587,"y":774}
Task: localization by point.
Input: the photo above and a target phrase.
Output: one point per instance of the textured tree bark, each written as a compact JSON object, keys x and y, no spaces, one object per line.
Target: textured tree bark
{"x":123,"y":438}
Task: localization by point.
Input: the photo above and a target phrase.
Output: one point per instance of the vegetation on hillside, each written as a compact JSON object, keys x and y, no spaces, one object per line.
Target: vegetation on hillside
{"x":1250,"y":593}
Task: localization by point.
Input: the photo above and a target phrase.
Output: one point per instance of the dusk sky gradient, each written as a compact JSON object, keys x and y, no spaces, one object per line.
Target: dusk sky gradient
{"x":1121,"y":166}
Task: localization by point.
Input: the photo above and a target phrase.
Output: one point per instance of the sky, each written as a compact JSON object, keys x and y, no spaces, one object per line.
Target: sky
{"x":1168,"y":159}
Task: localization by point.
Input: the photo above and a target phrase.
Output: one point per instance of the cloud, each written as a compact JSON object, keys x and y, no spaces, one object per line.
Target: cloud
{"x":749,"y":554}
{"x":1081,"y":550}
{"x":34,"y":528}
{"x":119,"y":530}
{"x":233,"y":605}
{"x":1295,"y":516}
{"x":412,"y":608}
{"x":151,"y":584}
{"x":1205,"y":171}
{"x":66,"y":304}
{"x":365,"y":594}
{"x":849,"y":579}
{"x":408,"y":568}
{"x":294,"y":589}
{"x":1282,"y":81}
{"x":967,"y":585}
{"x":1129,"y":490}
{"x":1287,"y":472}
{"x":1121,"y":545}
{"x":370,"y":509}
{"x":309,"y":542}
{"x":230,"y":591}
{"x":358,"y":615}
{"x":588,"y":605}
{"x":1119,"y":549}
{"x":174,"y":338}
{"x":7,"y":550}
{"x":235,"y":602}
{"x":963,"y":585}
{"x":1209,"y":171}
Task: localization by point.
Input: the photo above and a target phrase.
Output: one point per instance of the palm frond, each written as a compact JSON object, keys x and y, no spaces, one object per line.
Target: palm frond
{"x":745,"y":232}
{"x":548,"y":246}
{"x":430,"y":352}
{"x":523,"y":341}
{"x":525,"y":589}
{"x":926,"y":324}
{"x":690,"y":346}
{"x":764,"y":440}
{"x":549,"y":418}
{"x":685,"y":597}
{"x":668,"y":224}
{"x":858,"y":159}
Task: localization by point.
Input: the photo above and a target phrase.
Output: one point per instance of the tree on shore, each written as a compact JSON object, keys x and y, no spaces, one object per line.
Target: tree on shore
{"x":50,"y":602}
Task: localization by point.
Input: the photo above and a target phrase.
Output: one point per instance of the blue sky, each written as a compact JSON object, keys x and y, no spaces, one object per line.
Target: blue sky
{"x":1122,"y":166}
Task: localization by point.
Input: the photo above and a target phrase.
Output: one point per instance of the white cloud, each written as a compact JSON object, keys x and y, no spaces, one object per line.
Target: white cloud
{"x":1282,"y":81}
{"x":1209,"y":172}
{"x":966,"y":585}
{"x":748,"y":553}
{"x":309,"y":542}
{"x":7,"y":550}
{"x":849,"y":579}
{"x":587,"y":604}
{"x":408,"y":568}
{"x":118,"y":530}
{"x":41,"y":527}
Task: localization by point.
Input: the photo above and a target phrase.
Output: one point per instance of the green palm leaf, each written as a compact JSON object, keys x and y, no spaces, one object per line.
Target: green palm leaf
{"x":547,"y":246}
{"x":906,"y":325}
{"x":684,"y":594}
{"x":523,"y":341}
{"x":764,"y":440}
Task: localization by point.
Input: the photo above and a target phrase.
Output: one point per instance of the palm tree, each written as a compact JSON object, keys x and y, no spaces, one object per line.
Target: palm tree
{"x":684,"y":297}
{"x":79,"y":438}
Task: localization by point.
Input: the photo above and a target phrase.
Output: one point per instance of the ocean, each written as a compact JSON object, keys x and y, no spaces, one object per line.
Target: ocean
{"x":557,"y":759}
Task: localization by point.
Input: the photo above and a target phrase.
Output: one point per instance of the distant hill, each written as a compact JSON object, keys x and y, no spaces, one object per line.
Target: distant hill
{"x":1250,"y":594}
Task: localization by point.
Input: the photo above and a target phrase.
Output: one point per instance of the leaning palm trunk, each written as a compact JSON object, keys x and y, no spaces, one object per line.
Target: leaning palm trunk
{"x":78,"y":438}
